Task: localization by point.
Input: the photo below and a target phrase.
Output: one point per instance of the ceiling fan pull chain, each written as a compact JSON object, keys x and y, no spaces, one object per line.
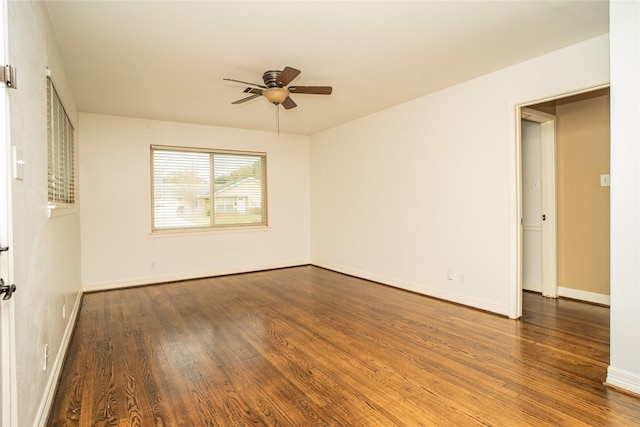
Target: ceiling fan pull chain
{"x":278,"y":118}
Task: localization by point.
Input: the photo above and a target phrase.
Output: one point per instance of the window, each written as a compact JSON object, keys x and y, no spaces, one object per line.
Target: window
{"x":199,"y":188}
{"x":61,"y":160}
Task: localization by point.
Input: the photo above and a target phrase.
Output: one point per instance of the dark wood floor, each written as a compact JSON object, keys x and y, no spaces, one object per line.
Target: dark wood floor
{"x":305,"y":346}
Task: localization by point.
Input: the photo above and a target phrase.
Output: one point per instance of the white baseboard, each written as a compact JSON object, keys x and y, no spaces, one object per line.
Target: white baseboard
{"x":531,"y":286}
{"x":56,"y":368}
{"x":418,"y":288}
{"x":584,"y":296}
{"x":623,"y":379}
{"x":150,"y":280}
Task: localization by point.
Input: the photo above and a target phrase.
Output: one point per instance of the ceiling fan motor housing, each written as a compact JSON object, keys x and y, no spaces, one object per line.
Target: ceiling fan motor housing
{"x":270,"y":78}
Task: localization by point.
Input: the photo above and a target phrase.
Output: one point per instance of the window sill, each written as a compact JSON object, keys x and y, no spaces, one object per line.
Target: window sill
{"x":61,"y":210}
{"x":201,"y":232}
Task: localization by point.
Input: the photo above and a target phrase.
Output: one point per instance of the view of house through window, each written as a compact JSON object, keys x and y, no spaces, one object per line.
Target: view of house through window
{"x":199,"y":188}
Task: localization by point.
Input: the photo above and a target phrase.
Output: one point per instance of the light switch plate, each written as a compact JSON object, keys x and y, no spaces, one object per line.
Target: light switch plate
{"x":18,"y":163}
{"x":605,"y":180}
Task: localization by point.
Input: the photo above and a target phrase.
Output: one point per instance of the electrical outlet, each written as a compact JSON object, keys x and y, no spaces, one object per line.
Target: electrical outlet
{"x":45,"y":357}
{"x":451,"y":274}
{"x":461,"y":278}
{"x":153,"y":265}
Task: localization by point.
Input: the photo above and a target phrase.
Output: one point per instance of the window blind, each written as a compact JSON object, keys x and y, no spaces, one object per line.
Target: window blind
{"x":199,"y":188}
{"x":60,"y":149}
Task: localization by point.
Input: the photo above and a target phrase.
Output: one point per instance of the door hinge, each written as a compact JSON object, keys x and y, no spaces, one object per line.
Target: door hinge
{"x":8,"y":75}
{"x":7,"y":290}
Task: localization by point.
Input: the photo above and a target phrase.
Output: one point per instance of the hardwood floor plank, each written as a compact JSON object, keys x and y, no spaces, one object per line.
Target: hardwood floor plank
{"x":309,"y":347}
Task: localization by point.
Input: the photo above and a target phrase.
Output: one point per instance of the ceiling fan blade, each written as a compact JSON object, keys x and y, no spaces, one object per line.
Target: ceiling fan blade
{"x":247,"y":83}
{"x":287,"y":75}
{"x":248,"y":98}
{"x":253,"y":90}
{"x":288,"y":103}
{"x":314,"y":90}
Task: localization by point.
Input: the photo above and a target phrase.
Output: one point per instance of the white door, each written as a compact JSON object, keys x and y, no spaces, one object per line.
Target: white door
{"x":7,"y":373}
{"x":539,"y":263}
{"x":531,"y":206}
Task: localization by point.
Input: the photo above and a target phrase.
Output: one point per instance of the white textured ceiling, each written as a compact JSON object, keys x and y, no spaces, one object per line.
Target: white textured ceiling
{"x":166,"y":60}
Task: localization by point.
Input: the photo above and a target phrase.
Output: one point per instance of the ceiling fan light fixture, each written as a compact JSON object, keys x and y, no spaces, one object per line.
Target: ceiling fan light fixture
{"x":276,"y":95}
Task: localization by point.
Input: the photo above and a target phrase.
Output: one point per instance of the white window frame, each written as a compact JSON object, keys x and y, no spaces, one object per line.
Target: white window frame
{"x":204,"y":201}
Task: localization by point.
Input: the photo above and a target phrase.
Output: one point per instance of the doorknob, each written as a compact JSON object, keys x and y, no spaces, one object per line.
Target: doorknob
{"x":7,"y":290}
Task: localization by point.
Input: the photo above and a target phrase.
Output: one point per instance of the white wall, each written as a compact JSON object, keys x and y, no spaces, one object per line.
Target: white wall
{"x":46,"y":252}
{"x":404,"y":195}
{"x":624,"y":368}
{"x":117,"y":245}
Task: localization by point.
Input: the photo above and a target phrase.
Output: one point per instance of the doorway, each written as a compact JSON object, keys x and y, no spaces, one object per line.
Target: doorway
{"x":580,"y":162}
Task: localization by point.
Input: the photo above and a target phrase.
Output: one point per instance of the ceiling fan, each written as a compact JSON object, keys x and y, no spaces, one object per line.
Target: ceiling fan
{"x":275,"y":90}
